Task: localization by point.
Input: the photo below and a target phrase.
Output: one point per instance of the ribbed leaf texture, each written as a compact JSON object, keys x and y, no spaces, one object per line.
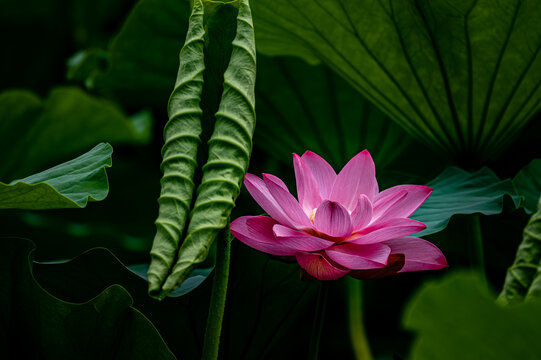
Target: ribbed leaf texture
{"x":229,"y":153}
{"x":523,"y":280}
{"x":461,"y":75}
{"x":182,"y":137}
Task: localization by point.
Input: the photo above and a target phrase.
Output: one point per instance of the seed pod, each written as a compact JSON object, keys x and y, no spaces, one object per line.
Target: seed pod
{"x":182,"y":137}
{"x":230,"y":147}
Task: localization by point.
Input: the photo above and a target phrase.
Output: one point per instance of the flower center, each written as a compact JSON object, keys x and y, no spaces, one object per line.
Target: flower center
{"x":313,"y":215}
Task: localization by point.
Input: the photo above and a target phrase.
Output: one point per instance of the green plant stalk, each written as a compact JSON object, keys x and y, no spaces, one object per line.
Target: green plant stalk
{"x":357,"y":333}
{"x":211,"y":342}
{"x":475,"y":244}
{"x":319,"y":316}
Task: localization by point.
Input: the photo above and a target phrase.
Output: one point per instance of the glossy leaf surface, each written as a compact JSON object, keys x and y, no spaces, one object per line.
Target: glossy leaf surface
{"x":68,"y":185}
{"x":456,"y":191}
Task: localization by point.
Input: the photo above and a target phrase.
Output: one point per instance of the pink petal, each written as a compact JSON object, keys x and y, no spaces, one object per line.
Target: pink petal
{"x":362,"y":214}
{"x":387,"y":203}
{"x":333,"y":219}
{"x":405,"y":207}
{"x":357,"y":177}
{"x":287,"y":202}
{"x":420,"y":254}
{"x":256,"y":232}
{"x":394,"y":264}
{"x":387,"y":230}
{"x":319,"y":267}
{"x":321,"y":170}
{"x":359,"y":257}
{"x":307,"y":189}
{"x":257,"y":188}
{"x":298,"y":240}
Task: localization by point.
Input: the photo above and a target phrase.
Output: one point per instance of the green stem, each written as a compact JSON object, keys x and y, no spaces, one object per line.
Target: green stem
{"x":319,"y":316}
{"x":211,"y":343}
{"x":357,"y":333}
{"x":477,"y":257}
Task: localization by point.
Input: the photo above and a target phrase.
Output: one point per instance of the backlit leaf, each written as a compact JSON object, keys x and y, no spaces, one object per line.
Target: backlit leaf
{"x":463,"y":76}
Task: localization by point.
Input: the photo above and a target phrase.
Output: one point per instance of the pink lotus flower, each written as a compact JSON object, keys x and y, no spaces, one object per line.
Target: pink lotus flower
{"x":341,"y":224}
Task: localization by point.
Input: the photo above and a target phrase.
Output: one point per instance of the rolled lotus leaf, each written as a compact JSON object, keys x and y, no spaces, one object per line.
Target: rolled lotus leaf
{"x":229,"y":154}
{"x":182,"y":138}
{"x":523,"y":278}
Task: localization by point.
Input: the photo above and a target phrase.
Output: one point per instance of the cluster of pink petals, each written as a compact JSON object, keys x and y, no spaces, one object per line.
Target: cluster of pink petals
{"x":341,"y":224}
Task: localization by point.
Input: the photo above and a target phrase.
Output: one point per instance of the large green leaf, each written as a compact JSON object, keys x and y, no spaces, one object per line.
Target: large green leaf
{"x":35,"y":134}
{"x":523,"y":278}
{"x":456,"y":191}
{"x":35,"y":324}
{"x":456,"y":318}
{"x":68,"y":185}
{"x":301,"y":107}
{"x":528,"y":184}
{"x":462,"y":76}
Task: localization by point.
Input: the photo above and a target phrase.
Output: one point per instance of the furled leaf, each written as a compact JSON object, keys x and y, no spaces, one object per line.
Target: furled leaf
{"x":182,"y":138}
{"x":68,"y":185}
{"x":229,"y":152}
{"x":456,"y":191}
{"x":35,"y":324}
{"x":524,"y":276}
{"x":35,"y":134}
{"x":528,"y":184}
{"x":462,"y":76}
{"x":456,"y":318}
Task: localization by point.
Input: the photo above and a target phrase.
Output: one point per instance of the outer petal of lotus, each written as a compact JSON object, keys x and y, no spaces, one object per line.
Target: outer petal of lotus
{"x":394,"y":264}
{"x":357,"y":177}
{"x":287,"y":202}
{"x":322,"y":172}
{"x":387,"y":230}
{"x":257,"y":188}
{"x":318,"y":266}
{"x":360,"y":257}
{"x":415,"y":196}
{"x":419,"y":254}
{"x":256,"y":232}
{"x":307,"y":188}
{"x":298,"y":240}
